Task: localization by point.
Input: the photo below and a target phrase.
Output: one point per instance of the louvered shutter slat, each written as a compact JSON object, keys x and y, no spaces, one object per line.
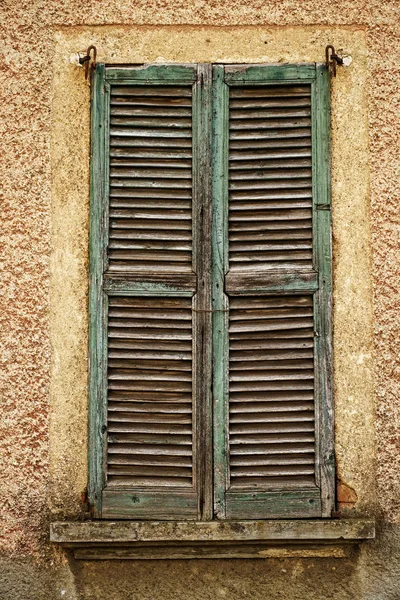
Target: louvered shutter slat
{"x":286,"y":171}
{"x":129,"y":462}
{"x":249,"y":420}
{"x":150,"y":188}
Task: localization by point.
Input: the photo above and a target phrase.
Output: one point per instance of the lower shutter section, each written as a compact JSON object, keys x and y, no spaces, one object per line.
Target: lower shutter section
{"x":271,"y":407}
{"x":150,"y":415}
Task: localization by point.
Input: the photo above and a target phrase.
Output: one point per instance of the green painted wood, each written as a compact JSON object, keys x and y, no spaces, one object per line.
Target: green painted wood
{"x":227,"y":503}
{"x":150,"y":505}
{"x":309,"y":501}
{"x":273,"y":505}
{"x":323,"y":297}
{"x":97,"y":298}
{"x":164,"y":286}
{"x":154,"y":74}
{"x":261,"y":74}
{"x":274,"y":282}
{"x":172,"y":502}
{"x":220,"y":300}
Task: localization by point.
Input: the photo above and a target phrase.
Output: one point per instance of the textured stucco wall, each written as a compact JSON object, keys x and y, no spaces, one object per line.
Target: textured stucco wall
{"x":43,"y":383}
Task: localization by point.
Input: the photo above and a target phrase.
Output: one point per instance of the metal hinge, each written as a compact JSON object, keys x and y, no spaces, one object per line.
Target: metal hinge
{"x":88,"y":60}
{"x":332,"y":59}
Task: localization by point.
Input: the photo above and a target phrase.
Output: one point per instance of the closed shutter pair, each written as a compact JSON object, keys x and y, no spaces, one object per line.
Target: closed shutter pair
{"x":210,"y":295}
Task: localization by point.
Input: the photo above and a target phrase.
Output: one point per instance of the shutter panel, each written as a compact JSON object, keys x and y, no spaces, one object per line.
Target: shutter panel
{"x":272,"y":277}
{"x":150,"y":140}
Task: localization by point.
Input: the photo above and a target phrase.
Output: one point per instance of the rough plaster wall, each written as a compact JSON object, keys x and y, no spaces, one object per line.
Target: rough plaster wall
{"x":26,"y":89}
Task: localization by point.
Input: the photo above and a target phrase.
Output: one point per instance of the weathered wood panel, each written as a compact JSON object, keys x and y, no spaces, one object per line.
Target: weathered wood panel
{"x":276,"y":293}
{"x":147,"y":201}
{"x":220,"y":550}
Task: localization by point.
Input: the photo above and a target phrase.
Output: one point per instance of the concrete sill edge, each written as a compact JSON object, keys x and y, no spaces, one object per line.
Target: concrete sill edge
{"x":94,"y":540}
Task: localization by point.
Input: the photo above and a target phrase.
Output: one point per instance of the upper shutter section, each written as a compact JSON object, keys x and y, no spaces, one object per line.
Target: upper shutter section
{"x":150,"y":178}
{"x":270,"y":177}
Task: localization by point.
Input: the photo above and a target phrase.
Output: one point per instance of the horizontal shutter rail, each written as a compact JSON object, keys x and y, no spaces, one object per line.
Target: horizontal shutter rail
{"x":272,"y":355}
{"x":142,"y":375}
{"x":138,"y":145}
{"x":150,"y":160}
{"x":280,"y":75}
{"x":269,"y":405}
{"x":272,"y":102}
{"x":244,"y":284}
{"x":146,"y":89}
{"x":149,"y":407}
{"x":259,"y":124}
{"x":170,"y":172}
{"x":174,"y":284}
{"x":161,"y":76}
{"x":141,"y":131}
{"x":294,"y":130}
{"x":266,"y":148}
{"x":125,"y":230}
{"x":151,"y":452}
{"x":140,"y":441}
{"x":157,"y":123}
{"x":286,"y":111}
{"x":277,"y":194}
{"x":144,"y":218}
{"x":240,"y":454}
{"x":150,"y":396}
{"x":126,"y":108}
{"x":280,"y":91}
{"x":271,"y":170}
{"x":152,"y":194}
{"x":267,"y":417}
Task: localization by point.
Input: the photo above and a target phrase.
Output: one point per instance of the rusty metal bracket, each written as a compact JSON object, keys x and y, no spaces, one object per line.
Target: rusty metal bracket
{"x":89,"y":61}
{"x":332,"y":59}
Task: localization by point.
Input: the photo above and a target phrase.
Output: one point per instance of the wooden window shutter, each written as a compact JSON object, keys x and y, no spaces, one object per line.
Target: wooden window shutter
{"x":273,"y":421}
{"x":150,"y":293}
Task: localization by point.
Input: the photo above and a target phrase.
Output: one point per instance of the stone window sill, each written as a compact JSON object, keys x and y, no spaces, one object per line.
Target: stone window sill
{"x":94,"y":540}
